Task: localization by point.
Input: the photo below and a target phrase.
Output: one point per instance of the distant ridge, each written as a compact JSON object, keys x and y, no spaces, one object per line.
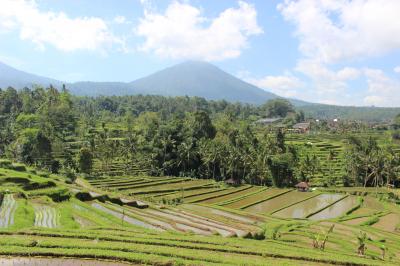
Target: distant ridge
{"x":192,"y":78}
{"x":11,"y":77}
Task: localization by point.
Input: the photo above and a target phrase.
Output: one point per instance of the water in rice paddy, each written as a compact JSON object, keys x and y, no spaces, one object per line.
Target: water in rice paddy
{"x":336,"y":210}
{"x":305,"y":208}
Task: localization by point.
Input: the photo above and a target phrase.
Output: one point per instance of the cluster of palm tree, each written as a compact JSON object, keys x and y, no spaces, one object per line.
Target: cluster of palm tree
{"x":192,"y":146}
{"x":371,"y":164}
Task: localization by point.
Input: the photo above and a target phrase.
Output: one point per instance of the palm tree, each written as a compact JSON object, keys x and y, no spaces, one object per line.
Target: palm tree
{"x":391,"y":166}
{"x":186,"y":153}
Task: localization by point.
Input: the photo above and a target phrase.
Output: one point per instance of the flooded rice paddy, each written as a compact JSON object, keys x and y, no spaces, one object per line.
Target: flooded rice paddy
{"x":306,"y":208}
{"x":255,"y":198}
{"x":287,"y":199}
{"x":124,"y":217}
{"x":336,"y":210}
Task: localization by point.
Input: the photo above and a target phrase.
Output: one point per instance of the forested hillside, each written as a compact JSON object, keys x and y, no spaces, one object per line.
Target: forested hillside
{"x":363,"y":113}
{"x":190,"y":137}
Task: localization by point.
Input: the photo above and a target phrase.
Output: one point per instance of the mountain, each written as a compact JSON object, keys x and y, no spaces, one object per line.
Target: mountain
{"x":11,"y":77}
{"x":192,"y":78}
{"x":200,"y":79}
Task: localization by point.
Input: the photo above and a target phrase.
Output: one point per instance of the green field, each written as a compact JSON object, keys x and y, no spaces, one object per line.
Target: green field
{"x":212,"y":224}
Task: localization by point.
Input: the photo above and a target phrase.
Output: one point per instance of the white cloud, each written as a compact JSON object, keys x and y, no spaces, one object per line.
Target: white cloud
{"x":183,"y":32}
{"x":334,"y":30}
{"x":325,"y":79}
{"x":285,"y":85}
{"x":382,"y":90}
{"x":120,"y":20}
{"x":327,"y":85}
{"x":55,"y":28}
{"x":397,"y":69}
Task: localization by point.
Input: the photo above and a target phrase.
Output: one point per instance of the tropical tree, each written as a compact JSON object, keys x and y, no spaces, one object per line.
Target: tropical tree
{"x":85,"y":161}
{"x":282,"y":171}
{"x":278,"y":108}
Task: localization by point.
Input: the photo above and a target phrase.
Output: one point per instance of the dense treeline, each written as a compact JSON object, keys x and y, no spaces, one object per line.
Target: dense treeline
{"x":177,"y":136}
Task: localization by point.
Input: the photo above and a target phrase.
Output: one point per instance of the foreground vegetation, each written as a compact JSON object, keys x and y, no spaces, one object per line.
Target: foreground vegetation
{"x":183,"y":181}
{"x":189,"y":224}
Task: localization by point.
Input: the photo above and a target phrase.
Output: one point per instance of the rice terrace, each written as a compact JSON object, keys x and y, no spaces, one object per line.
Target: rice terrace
{"x":188,"y":132}
{"x":144,"y":219}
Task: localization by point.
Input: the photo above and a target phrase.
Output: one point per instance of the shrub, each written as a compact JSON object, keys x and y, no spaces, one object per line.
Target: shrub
{"x":18,"y":167}
{"x":83,"y":196}
{"x":33,"y":171}
{"x":44,"y":174}
{"x":60,"y":195}
{"x":276,"y":234}
{"x":260,"y":235}
{"x":37,"y":185}
{"x":55,"y":166}
{"x":33,"y":243}
{"x":5,"y":163}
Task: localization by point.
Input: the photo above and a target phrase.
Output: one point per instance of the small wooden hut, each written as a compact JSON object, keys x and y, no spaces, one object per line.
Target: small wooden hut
{"x":303,"y":186}
{"x":232,"y":182}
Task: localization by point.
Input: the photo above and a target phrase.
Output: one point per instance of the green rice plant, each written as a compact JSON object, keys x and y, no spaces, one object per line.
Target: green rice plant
{"x":46,"y":216}
{"x":24,"y":215}
{"x":7,"y":210}
{"x":65,"y":216}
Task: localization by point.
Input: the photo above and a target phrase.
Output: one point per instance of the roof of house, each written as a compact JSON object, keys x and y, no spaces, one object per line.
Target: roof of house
{"x":303,"y":185}
{"x":231,"y":181}
{"x":304,"y":125}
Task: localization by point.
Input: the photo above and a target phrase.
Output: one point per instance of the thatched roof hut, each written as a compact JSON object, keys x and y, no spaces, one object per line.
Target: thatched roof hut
{"x":232,"y":182}
{"x":303,"y":186}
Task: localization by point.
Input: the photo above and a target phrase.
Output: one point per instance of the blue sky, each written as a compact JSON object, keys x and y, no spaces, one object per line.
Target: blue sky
{"x":343,"y":52}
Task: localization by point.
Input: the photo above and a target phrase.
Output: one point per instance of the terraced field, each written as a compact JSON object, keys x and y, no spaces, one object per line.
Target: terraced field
{"x":214,"y":225}
{"x":309,"y":207}
{"x":214,"y":195}
{"x":256,"y":198}
{"x":336,"y":210}
{"x":234,"y":196}
{"x":389,"y":222}
{"x":45,"y":216}
{"x":7,"y":210}
{"x":320,"y":146}
{"x":151,"y":186}
{"x":138,"y":247}
{"x":280,"y":202}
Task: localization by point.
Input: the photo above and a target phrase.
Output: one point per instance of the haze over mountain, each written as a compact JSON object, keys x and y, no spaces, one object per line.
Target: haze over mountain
{"x":192,"y":78}
{"x":11,"y":77}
